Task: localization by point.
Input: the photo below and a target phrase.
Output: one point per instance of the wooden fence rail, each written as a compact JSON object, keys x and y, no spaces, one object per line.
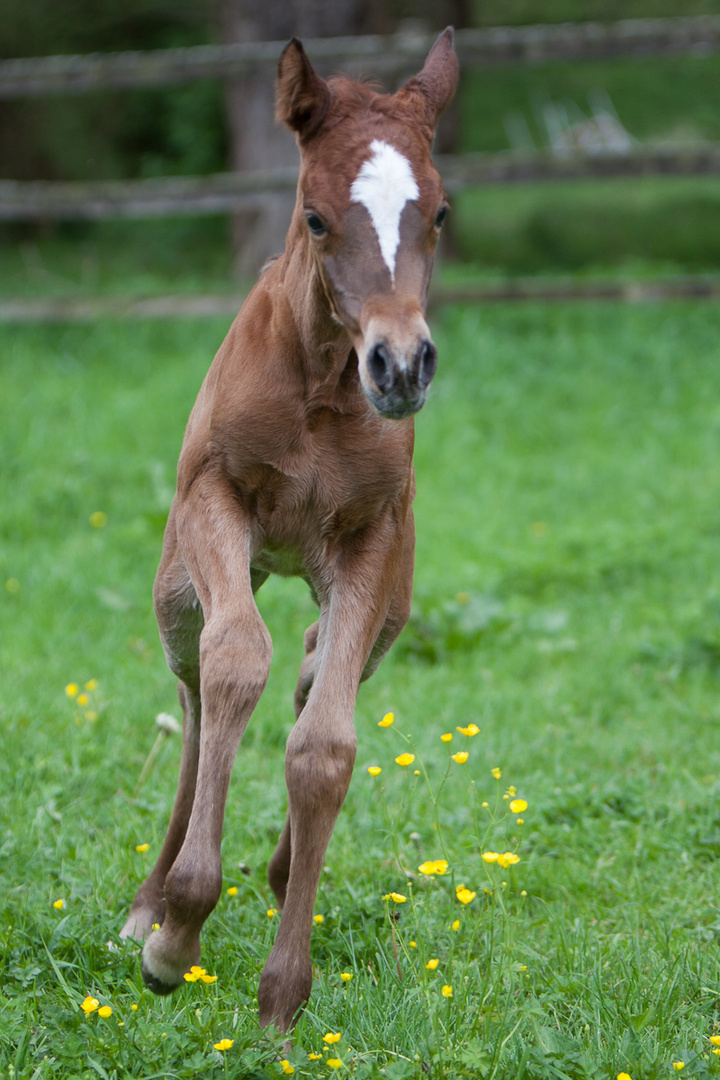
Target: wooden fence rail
{"x":43,"y":200}
{"x":383,"y":55}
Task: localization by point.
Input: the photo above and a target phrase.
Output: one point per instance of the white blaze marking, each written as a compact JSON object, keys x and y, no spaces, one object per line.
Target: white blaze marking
{"x":383,"y":185}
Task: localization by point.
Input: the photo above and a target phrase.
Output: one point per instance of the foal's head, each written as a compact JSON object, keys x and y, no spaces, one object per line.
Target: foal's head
{"x":370,"y":207}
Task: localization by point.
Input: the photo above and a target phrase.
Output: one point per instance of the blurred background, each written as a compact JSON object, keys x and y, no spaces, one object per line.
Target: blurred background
{"x":658,"y":102}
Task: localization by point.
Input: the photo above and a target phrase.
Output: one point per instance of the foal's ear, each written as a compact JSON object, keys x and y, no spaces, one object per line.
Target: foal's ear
{"x":302,"y":98}
{"x":428,"y":92}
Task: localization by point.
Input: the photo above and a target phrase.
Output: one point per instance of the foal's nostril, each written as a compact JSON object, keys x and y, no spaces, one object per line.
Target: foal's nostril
{"x":379,"y":366}
{"x":427,"y":363}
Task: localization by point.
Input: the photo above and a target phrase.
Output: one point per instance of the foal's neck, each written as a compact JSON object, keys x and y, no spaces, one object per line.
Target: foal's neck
{"x":324,"y":345}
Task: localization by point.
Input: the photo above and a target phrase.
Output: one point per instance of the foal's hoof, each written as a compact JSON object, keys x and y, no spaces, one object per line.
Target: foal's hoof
{"x":157,"y":985}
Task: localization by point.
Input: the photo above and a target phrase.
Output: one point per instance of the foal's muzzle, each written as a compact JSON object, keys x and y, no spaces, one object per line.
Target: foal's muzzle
{"x":396,"y":384}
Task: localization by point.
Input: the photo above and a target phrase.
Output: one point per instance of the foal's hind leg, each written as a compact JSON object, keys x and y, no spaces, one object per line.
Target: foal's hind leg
{"x":278,"y":869}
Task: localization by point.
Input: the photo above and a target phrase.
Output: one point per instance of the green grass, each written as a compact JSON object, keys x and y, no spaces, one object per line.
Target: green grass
{"x":567,"y":602}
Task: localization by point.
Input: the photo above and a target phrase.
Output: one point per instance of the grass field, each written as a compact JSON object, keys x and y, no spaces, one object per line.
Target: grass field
{"x":567,"y":603}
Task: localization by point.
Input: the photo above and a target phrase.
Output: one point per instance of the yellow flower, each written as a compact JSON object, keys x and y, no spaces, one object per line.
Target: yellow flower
{"x":678,"y":1065}
{"x":485,"y":805}
{"x":317,"y":919}
{"x":470,"y":730}
{"x":497,"y":773}
{"x":432,"y":964}
{"x":134,"y":1007}
{"x":98,"y":519}
{"x":83,"y":699}
{"x":272,"y":912}
{"x":374,"y":770}
{"x":519,"y":821}
{"x":396,"y":896}
{"x":387,"y":720}
{"x":461,"y":757}
{"x":334,"y":1063}
{"x":155,"y":926}
{"x":447,"y":737}
{"x":90,"y":1004}
{"x":715,"y":1040}
{"x":507,"y":859}
{"x":623,"y":1076}
{"x":512,"y":791}
{"x":346,"y":976}
{"x":209,"y":978}
{"x":412,"y":944}
{"x":490,"y":856}
{"x":716,"y":1050}
{"x":59,"y":905}
{"x":464,"y":895}
{"x":91,"y":685}
{"x":105,"y":1011}
{"x":194,"y":973}
{"x":287,"y":1068}
{"x":447,"y":991}
{"x":518,"y":805}
{"x":141,"y":847}
{"x":224,"y":1044}
{"x":332,"y":1037}
{"x":233,"y":890}
{"x":71,"y":689}
{"x":455,"y":925}
{"x":314,"y":1057}
{"x":405,"y":759}
{"x":434,"y":866}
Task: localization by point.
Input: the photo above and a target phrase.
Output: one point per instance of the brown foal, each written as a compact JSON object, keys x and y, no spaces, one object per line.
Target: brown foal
{"x":297,"y":460}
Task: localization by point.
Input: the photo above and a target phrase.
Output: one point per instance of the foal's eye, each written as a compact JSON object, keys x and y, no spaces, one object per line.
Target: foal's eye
{"x":316,"y":224}
{"x":442,"y":214}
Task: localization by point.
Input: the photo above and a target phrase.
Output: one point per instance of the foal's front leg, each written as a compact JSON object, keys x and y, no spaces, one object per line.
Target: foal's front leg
{"x":235,"y":653}
{"x":319,"y":762}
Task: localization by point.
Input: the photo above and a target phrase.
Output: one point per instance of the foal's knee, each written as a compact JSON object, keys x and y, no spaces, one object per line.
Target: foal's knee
{"x":318,"y":767}
{"x":234,"y":664}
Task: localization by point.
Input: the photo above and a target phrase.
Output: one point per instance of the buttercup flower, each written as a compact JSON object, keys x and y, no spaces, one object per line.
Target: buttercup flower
{"x":233,"y":890}
{"x":224,"y":1044}
{"x":461,"y":757}
{"x":490,"y":856}
{"x":197,"y":973}
{"x":464,"y":895}
{"x":105,"y":1011}
{"x":314,"y":1057}
{"x":271,"y":912}
{"x":447,"y":737}
{"x":59,"y":905}
{"x":455,"y":925}
{"x":374,"y":770}
{"x":434,"y":866}
{"x":396,"y":896}
{"x":387,"y":720}
{"x":90,"y":1004}
{"x":507,"y":859}
{"x":332,"y":1037}
{"x":470,"y":730}
{"x":346,"y":976}
{"x":678,"y":1065}
{"x":72,"y":689}
{"x":317,"y":919}
{"x":334,"y":1063}
{"x":412,"y":944}
{"x":623,"y":1076}
{"x":715,"y":1040}
{"x":518,"y":805}
{"x":98,"y":518}
{"x":447,"y":991}
{"x":141,"y":847}
{"x":497,"y":773}
{"x":432,"y":964}
{"x":405,"y":759}
{"x":287,"y":1068}
{"x":91,"y":685}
